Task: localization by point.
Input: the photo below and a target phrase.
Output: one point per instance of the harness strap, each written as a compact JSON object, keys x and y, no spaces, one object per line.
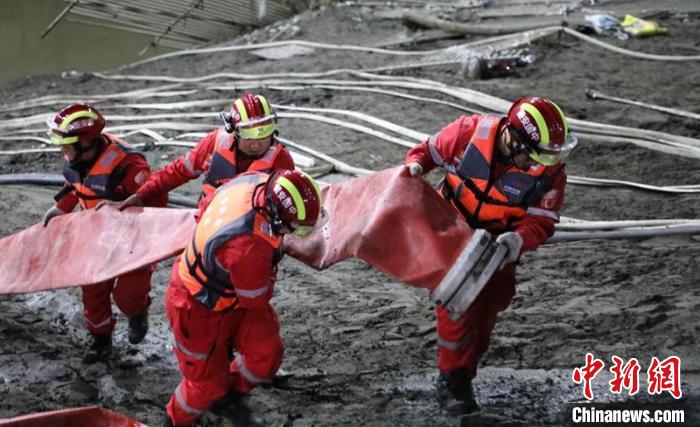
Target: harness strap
{"x":207,"y":282}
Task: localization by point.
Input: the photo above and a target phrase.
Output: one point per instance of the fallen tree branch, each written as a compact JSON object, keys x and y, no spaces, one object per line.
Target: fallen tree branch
{"x":414,"y":18}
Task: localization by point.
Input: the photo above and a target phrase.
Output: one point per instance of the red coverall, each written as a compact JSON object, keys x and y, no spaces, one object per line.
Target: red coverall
{"x":204,"y":339}
{"x":461,"y":343}
{"x":196,"y":162}
{"x":130,"y":291}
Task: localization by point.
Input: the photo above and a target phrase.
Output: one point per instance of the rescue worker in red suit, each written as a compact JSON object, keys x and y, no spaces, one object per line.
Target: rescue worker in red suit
{"x":506,"y":175}
{"x":246,"y":142}
{"x":99,"y":166}
{"x":219,"y":295}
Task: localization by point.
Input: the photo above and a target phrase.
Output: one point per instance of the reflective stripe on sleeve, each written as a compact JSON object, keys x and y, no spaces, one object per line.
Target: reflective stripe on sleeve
{"x":543,"y":212}
{"x":190,"y":168}
{"x":437,"y":159}
{"x":252,"y":293}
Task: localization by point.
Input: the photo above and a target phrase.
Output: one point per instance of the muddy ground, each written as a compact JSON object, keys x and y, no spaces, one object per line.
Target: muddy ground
{"x":361,"y":347}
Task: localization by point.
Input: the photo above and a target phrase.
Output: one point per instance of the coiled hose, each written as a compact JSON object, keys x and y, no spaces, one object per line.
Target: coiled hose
{"x":55,"y":180}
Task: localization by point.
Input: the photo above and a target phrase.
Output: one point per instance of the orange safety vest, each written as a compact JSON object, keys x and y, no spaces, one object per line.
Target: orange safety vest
{"x":103,"y":177}
{"x":494,"y":203}
{"x":229,"y":215}
{"x":223,"y":164}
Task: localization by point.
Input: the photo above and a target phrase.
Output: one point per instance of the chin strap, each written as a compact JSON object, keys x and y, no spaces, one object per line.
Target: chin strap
{"x":269,"y":208}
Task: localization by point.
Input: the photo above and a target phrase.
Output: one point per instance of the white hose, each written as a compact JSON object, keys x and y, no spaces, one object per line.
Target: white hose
{"x":594,"y":94}
{"x":69,"y":99}
{"x":622,"y":224}
{"x":628,"y":233}
{"x":686,"y":146}
{"x":337,"y":164}
{"x":524,"y":36}
{"x":627,"y":52}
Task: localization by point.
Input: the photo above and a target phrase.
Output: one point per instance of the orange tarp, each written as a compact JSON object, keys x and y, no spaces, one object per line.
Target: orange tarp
{"x":91,"y":246}
{"x":92,"y":416}
{"x":395,"y":222}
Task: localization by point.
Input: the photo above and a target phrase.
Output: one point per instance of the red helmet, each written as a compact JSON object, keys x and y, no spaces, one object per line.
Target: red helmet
{"x":75,"y":123}
{"x":251,"y":116}
{"x":294,"y":201}
{"x":540,"y":125}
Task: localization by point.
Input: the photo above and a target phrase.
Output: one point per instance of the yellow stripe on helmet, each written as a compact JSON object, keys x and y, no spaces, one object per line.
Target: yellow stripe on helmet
{"x":296,"y":196}
{"x":563,"y":119}
{"x":265,"y":104}
{"x":77,"y":115}
{"x":541,"y":123}
{"x":241,"y":109}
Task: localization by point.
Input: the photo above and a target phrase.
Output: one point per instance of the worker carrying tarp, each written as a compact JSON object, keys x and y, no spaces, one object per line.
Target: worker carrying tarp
{"x":246,"y":142}
{"x":219,"y":295}
{"x":505,"y":175}
{"x":98,"y":166}
{"x":381,"y":230}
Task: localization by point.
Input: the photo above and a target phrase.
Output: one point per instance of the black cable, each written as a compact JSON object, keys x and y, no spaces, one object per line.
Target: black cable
{"x":56,"y":180}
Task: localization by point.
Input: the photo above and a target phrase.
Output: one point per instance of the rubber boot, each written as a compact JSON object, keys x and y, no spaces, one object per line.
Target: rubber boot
{"x":138,"y":328}
{"x":99,"y":350}
{"x":166,"y":422}
{"x":233,"y":408}
{"x":455,"y":393}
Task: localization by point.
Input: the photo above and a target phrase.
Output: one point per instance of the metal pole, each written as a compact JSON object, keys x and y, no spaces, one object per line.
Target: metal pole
{"x":58,"y":18}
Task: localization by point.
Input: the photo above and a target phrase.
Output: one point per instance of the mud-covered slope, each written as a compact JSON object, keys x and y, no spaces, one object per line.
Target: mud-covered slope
{"x":360,"y":347}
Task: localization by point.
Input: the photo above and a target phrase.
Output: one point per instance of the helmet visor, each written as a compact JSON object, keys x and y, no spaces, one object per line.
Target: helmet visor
{"x":257,"y":128}
{"x":305,"y":230}
{"x":58,"y":136}
{"x":554,"y":155}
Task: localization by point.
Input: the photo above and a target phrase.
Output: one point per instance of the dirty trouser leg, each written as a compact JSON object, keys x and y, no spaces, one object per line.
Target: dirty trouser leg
{"x":461,"y":343}
{"x":260,"y":348}
{"x":131,"y":291}
{"x":201,"y":345}
{"x":97,"y":308}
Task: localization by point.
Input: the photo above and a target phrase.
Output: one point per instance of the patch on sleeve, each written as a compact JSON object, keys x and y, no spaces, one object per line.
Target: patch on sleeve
{"x":550,"y":199}
{"x":140,"y":177}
